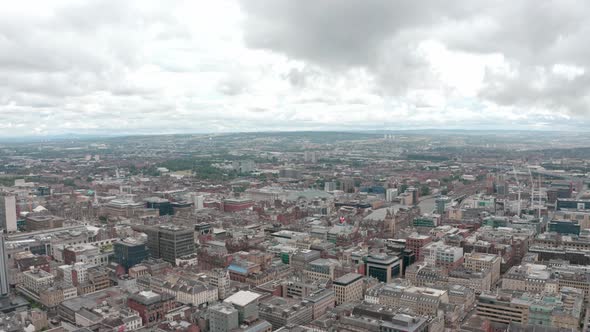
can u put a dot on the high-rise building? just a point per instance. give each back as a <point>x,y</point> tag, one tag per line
<point>170,242</point>
<point>415,195</point>
<point>330,186</point>
<point>244,166</point>
<point>347,185</point>
<point>8,213</point>
<point>4,290</point>
<point>441,203</point>
<point>198,201</point>
<point>391,194</point>
<point>130,252</point>
<point>311,157</point>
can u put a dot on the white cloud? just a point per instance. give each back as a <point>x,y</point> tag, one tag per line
<point>106,66</point>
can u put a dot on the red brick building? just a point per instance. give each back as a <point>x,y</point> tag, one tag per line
<point>233,204</point>
<point>415,242</point>
<point>28,263</point>
<point>152,307</point>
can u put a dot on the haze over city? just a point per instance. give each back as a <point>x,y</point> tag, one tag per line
<point>145,67</point>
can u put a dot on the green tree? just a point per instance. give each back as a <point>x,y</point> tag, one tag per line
<point>69,183</point>
<point>403,188</point>
<point>424,190</point>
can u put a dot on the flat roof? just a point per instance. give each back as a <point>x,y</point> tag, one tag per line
<point>242,298</point>
<point>348,278</point>
<point>482,256</point>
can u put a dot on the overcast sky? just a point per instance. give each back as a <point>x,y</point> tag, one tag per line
<point>244,65</point>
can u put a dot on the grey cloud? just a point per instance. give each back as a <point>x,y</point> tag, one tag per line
<point>383,35</point>
<point>538,87</point>
<point>338,32</point>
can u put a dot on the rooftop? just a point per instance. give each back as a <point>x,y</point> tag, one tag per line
<point>348,278</point>
<point>242,298</point>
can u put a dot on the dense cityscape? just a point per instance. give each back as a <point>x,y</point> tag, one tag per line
<point>298,231</point>
<point>294,166</point>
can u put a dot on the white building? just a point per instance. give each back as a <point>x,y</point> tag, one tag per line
<point>198,201</point>
<point>188,291</point>
<point>390,194</point>
<point>440,254</point>
<point>37,280</point>
<point>8,213</point>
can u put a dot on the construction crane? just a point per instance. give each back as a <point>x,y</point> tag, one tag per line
<point>518,185</point>
<point>540,203</point>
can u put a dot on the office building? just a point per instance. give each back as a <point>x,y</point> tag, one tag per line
<point>565,227</point>
<point>280,312</point>
<point>321,268</point>
<point>41,221</point>
<point>480,281</point>
<point>572,204</point>
<point>441,204</point>
<point>348,288</point>
<point>442,255</point>
<point>4,285</point>
<point>130,252</point>
<point>244,166</point>
<point>170,242</point>
<point>289,173</point>
<point>347,185</point>
<point>383,267</point>
<point>8,213</point>
<point>391,194</point>
<point>198,201</point>
<point>301,258</point>
<point>163,206</point>
<point>415,242</point>
<point>321,301</point>
<point>37,280</point>
<point>478,261</point>
<point>127,208</point>
<point>223,317</point>
<point>246,303</point>
<point>561,311</point>
<point>421,300</point>
<point>330,186</point>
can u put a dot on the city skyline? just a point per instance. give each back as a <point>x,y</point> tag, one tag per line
<point>151,67</point>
